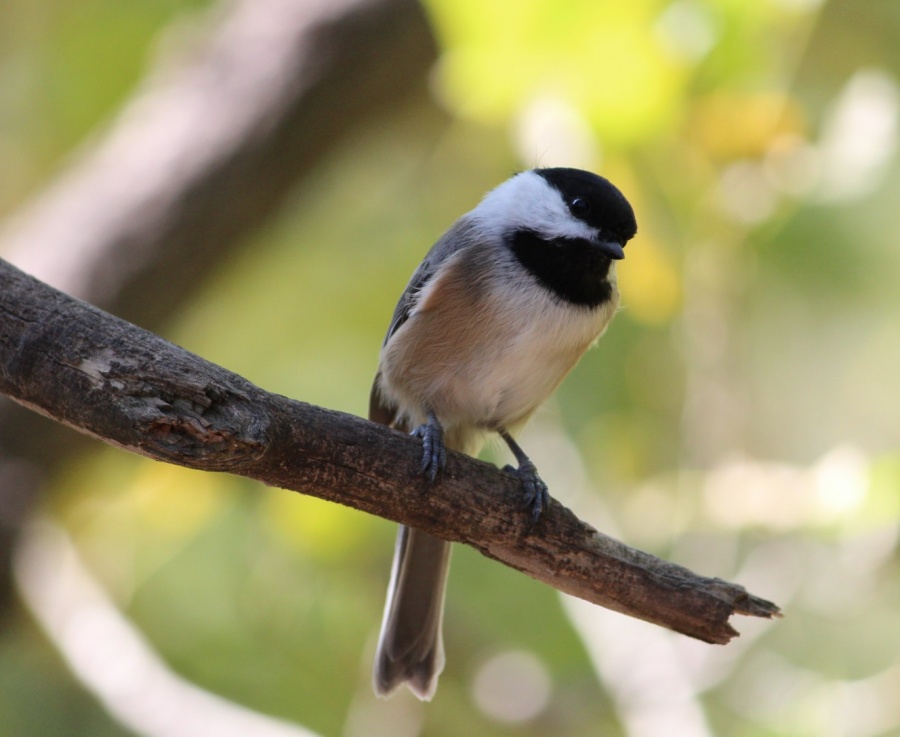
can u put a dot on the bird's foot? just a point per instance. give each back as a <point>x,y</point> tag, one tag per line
<point>537,495</point>
<point>434,453</point>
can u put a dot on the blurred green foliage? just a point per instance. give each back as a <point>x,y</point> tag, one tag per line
<point>737,418</point>
<point>64,68</point>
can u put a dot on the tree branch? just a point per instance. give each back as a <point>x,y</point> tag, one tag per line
<point>124,385</point>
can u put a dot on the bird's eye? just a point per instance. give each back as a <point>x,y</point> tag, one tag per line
<point>580,206</point>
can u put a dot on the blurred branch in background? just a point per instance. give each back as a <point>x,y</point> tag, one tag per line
<point>112,658</point>
<point>204,153</point>
<point>123,385</point>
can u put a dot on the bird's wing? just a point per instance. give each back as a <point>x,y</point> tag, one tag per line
<point>459,235</point>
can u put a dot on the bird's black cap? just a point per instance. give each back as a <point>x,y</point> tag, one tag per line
<point>595,201</point>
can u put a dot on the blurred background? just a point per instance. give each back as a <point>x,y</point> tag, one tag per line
<point>256,180</point>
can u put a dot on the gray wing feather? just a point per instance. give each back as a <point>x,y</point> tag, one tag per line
<point>459,236</point>
<point>452,241</point>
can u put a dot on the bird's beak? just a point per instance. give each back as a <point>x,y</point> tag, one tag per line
<point>612,249</point>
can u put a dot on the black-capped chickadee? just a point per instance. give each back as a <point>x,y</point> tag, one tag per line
<point>499,311</point>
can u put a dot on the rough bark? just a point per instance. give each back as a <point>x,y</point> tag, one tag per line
<point>126,386</point>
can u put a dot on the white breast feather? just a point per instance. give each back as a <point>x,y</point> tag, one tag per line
<point>540,340</point>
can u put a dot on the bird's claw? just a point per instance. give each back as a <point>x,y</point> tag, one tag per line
<point>434,453</point>
<point>537,495</point>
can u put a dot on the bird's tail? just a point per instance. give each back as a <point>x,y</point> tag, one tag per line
<point>410,646</point>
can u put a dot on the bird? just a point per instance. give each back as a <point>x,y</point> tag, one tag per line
<point>499,311</point>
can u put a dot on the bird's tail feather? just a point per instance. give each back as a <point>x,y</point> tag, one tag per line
<point>410,646</point>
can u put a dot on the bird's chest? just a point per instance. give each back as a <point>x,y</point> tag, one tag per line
<point>535,345</point>
<point>486,354</point>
